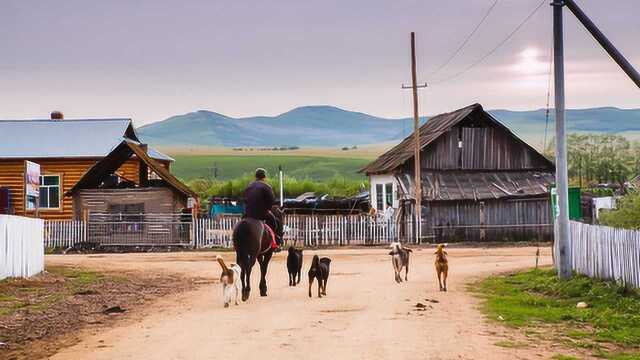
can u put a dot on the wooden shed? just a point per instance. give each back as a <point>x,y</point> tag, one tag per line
<point>154,208</point>
<point>479,180</point>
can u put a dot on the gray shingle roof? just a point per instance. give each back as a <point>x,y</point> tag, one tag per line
<point>86,138</point>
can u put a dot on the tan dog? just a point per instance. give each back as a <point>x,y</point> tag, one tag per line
<point>230,279</point>
<point>442,266</point>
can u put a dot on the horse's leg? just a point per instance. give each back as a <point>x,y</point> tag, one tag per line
<point>439,280</point>
<point>246,285</point>
<point>264,264</point>
<point>310,283</point>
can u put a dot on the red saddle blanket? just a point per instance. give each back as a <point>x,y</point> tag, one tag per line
<point>272,234</point>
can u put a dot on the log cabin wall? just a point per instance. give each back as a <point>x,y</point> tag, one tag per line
<point>70,171</point>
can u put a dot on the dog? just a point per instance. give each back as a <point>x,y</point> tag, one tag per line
<point>231,282</point>
<point>294,265</point>
<point>320,271</point>
<point>442,266</point>
<point>400,259</point>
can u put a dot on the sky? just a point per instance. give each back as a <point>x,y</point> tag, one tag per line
<point>151,59</point>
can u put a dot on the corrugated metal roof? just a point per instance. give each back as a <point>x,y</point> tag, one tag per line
<point>85,138</point>
<point>454,185</point>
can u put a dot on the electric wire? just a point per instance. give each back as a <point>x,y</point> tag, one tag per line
<point>492,51</point>
<point>465,42</point>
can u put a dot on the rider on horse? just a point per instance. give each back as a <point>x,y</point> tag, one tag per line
<point>258,200</point>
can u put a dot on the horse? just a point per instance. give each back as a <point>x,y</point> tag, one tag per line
<point>252,242</point>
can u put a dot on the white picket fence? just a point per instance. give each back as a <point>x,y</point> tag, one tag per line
<point>307,230</point>
<point>64,233</point>
<point>606,253</point>
<point>21,246</point>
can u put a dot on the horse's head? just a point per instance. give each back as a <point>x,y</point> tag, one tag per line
<point>277,212</point>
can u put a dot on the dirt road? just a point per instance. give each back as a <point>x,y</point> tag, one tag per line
<point>366,315</point>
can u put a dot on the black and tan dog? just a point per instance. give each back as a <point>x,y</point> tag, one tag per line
<point>320,271</point>
<point>294,265</point>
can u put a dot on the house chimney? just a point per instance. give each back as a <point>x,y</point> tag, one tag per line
<point>57,115</point>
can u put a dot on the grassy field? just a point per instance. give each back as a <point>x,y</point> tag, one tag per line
<point>188,166</point>
<point>361,152</point>
<point>545,308</point>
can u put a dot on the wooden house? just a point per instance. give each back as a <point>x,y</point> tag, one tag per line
<point>65,150</point>
<point>479,180</point>
<point>153,209</point>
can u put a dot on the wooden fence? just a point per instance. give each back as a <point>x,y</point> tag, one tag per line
<point>21,246</point>
<point>64,233</point>
<point>307,230</point>
<point>606,253</point>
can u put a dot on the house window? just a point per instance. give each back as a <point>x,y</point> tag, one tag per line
<point>388,193</point>
<point>379,197</point>
<point>50,191</point>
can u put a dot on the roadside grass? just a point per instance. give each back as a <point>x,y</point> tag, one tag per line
<point>36,295</point>
<point>537,299</point>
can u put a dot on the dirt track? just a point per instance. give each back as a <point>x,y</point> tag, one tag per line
<point>365,316</point>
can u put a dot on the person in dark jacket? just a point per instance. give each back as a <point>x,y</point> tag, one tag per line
<point>258,199</point>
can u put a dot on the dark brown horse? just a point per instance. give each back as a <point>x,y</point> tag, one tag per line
<point>252,243</point>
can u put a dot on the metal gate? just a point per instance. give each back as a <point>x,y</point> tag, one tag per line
<point>139,229</point>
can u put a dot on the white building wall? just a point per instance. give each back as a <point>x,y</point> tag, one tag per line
<point>383,179</point>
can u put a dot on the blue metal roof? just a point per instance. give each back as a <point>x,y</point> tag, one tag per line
<point>86,138</point>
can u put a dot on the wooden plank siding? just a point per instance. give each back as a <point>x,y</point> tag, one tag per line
<point>70,171</point>
<point>483,148</point>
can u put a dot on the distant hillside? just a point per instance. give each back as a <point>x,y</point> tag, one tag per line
<point>331,126</point>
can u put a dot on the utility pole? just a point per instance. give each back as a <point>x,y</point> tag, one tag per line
<point>416,139</point>
<point>562,236</point>
<point>281,186</point>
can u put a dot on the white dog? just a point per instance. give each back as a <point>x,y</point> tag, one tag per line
<point>400,259</point>
<point>230,279</point>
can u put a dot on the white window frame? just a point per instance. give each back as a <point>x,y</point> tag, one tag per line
<point>59,186</point>
<point>384,181</point>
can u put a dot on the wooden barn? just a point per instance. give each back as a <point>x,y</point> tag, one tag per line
<point>65,150</point>
<point>480,182</point>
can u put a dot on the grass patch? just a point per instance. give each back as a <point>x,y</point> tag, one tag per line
<point>36,295</point>
<point>564,357</point>
<point>538,298</point>
<point>189,167</point>
<point>511,344</point>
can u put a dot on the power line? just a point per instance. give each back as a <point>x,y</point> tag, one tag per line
<point>455,53</point>
<point>485,56</point>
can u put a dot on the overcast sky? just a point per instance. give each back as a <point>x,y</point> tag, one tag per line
<point>150,59</point>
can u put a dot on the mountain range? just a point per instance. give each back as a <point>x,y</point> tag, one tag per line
<point>332,126</point>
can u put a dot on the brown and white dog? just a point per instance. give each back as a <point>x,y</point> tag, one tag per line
<point>231,282</point>
<point>400,259</point>
<point>442,266</point>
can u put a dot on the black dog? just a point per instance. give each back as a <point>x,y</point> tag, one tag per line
<point>294,265</point>
<point>319,270</point>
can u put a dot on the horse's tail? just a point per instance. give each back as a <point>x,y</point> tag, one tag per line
<point>242,230</point>
<point>222,264</point>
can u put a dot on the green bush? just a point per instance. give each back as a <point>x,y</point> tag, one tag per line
<point>335,187</point>
<point>626,216</point>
